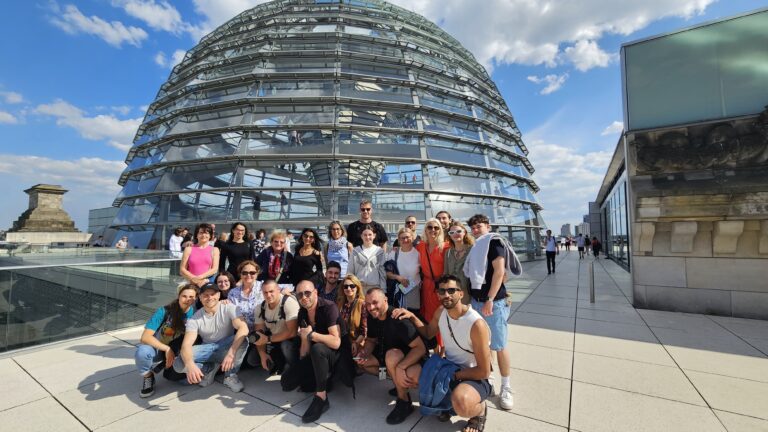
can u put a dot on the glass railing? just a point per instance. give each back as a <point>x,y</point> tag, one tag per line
<point>47,297</point>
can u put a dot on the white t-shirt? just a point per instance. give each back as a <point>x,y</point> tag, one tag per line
<point>408,266</point>
<point>271,316</point>
<point>551,244</point>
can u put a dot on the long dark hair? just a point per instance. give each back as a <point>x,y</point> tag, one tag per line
<point>175,312</point>
<point>232,232</point>
<point>317,244</point>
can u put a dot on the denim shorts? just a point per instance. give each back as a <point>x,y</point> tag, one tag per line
<point>497,322</point>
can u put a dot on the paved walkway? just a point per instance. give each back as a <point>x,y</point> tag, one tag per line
<point>576,366</point>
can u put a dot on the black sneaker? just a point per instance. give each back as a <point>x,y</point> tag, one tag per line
<point>148,387</point>
<point>316,409</point>
<point>402,410</point>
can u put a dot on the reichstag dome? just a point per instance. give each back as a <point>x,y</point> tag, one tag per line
<point>293,111</point>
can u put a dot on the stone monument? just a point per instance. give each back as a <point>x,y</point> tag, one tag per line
<point>45,221</point>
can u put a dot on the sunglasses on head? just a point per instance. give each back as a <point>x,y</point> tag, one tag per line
<point>449,291</point>
<point>305,294</point>
<point>249,273</point>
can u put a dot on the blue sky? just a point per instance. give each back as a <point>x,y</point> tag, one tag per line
<point>76,78</point>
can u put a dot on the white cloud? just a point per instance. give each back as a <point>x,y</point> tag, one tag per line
<point>8,118</point>
<point>613,128</point>
<point>163,61</point>
<point>157,15</point>
<point>115,33</point>
<point>12,97</point>
<point>122,109</point>
<point>217,12</point>
<point>553,82</point>
<point>92,183</point>
<point>569,180</point>
<point>538,33</point>
<point>586,55</point>
<point>118,133</point>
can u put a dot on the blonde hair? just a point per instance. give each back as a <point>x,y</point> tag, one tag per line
<point>277,234</point>
<point>468,239</point>
<point>440,232</point>
<point>405,229</point>
<point>356,315</point>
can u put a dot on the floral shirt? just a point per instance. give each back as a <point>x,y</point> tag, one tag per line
<point>246,306</point>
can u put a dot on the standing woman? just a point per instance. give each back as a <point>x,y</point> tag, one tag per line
<point>201,260</point>
<point>235,250</point>
<point>161,340</point>
<point>431,252</point>
<point>461,242</point>
<point>351,302</point>
<point>367,261</point>
<point>338,248</point>
<point>259,243</point>
<point>308,262</point>
<point>275,261</point>
<point>409,271</point>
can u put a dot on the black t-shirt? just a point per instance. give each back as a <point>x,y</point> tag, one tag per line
<point>495,250</point>
<point>355,229</point>
<point>234,253</point>
<point>327,315</point>
<point>391,333</point>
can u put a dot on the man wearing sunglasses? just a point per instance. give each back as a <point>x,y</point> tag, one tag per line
<point>320,332</point>
<point>394,345</point>
<point>467,344</point>
<point>355,229</point>
<point>410,223</point>
<point>276,323</point>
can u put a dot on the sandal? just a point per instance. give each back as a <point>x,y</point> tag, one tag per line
<point>477,423</point>
<point>444,416</point>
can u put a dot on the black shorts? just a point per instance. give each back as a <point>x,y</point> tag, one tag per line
<point>581,249</point>
<point>482,387</point>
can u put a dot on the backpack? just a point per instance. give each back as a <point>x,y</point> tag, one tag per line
<point>280,314</point>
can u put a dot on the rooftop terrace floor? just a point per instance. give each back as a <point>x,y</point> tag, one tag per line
<point>576,366</point>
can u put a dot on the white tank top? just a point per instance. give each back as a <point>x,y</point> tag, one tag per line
<point>461,331</point>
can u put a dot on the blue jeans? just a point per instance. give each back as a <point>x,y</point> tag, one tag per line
<point>213,352</point>
<point>146,356</point>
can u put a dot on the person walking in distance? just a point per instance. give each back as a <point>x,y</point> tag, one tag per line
<point>580,243</point>
<point>550,248</point>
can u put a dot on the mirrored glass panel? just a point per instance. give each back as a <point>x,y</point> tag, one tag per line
<point>370,48</point>
<point>200,176</point>
<point>277,174</point>
<point>388,206</point>
<point>224,144</point>
<point>137,211</point>
<point>459,180</point>
<point>376,91</point>
<point>141,184</point>
<point>452,151</point>
<point>374,69</point>
<point>508,164</point>
<point>373,143</point>
<point>200,206</point>
<point>201,121</point>
<point>448,126</point>
<point>297,88</point>
<point>291,141</point>
<point>444,102</point>
<point>376,117</point>
<point>288,115</point>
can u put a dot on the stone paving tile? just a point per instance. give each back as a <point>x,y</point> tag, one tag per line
<point>733,394</point>
<point>551,301</point>
<point>43,415</point>
<point>212,408</point>
<point>18,387</point>
<point>541,397</point>
<point>648,352</point>
<point>564,311</point>
<point>497,421</point>
<point>625,317</point>
<point>539,359</point>
<point>597,409</point>
<point>649,379</point>
<point>740,423</point>
<point>746,328</point>
<point>544,330</point>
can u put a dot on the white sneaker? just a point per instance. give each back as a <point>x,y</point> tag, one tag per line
<point>506,401</point>
<point>209,375</point>
<point>234,383</point>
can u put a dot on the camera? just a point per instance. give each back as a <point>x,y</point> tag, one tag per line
<point>253,337</point>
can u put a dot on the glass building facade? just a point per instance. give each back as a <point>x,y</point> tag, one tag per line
<point>293,111</point>
<point>615,237</point>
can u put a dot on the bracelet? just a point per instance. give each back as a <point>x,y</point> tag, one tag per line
<point>309,336</point>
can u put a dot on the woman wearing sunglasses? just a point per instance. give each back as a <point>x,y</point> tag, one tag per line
<point>338,248</point>
<point>307,262</point>
<point>431,253</point>
<point>351,302</point>
<point>247,296</point>
<point>461,242</point>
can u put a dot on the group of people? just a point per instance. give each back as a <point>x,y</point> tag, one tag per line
<point>582,244</point>
<point>353,305</point>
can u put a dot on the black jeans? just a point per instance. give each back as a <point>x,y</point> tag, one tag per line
<point>312,371</point>
<point>551,261</point>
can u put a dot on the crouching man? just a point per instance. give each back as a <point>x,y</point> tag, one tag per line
<point>467,346</point>
<point>276,324</point>
<point>223,335</point>
<point>395,347</point>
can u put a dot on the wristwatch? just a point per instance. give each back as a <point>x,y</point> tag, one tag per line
<point>269,339</point>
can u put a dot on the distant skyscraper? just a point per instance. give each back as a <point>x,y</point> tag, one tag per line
<point>293,111</point>
<point>565,230</point>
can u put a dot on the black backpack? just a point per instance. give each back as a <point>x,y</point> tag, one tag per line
<point>280,314</point>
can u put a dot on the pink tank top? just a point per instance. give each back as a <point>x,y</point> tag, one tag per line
<point>200,260</point>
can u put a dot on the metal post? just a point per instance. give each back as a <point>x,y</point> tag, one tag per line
<point>591,281</point>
